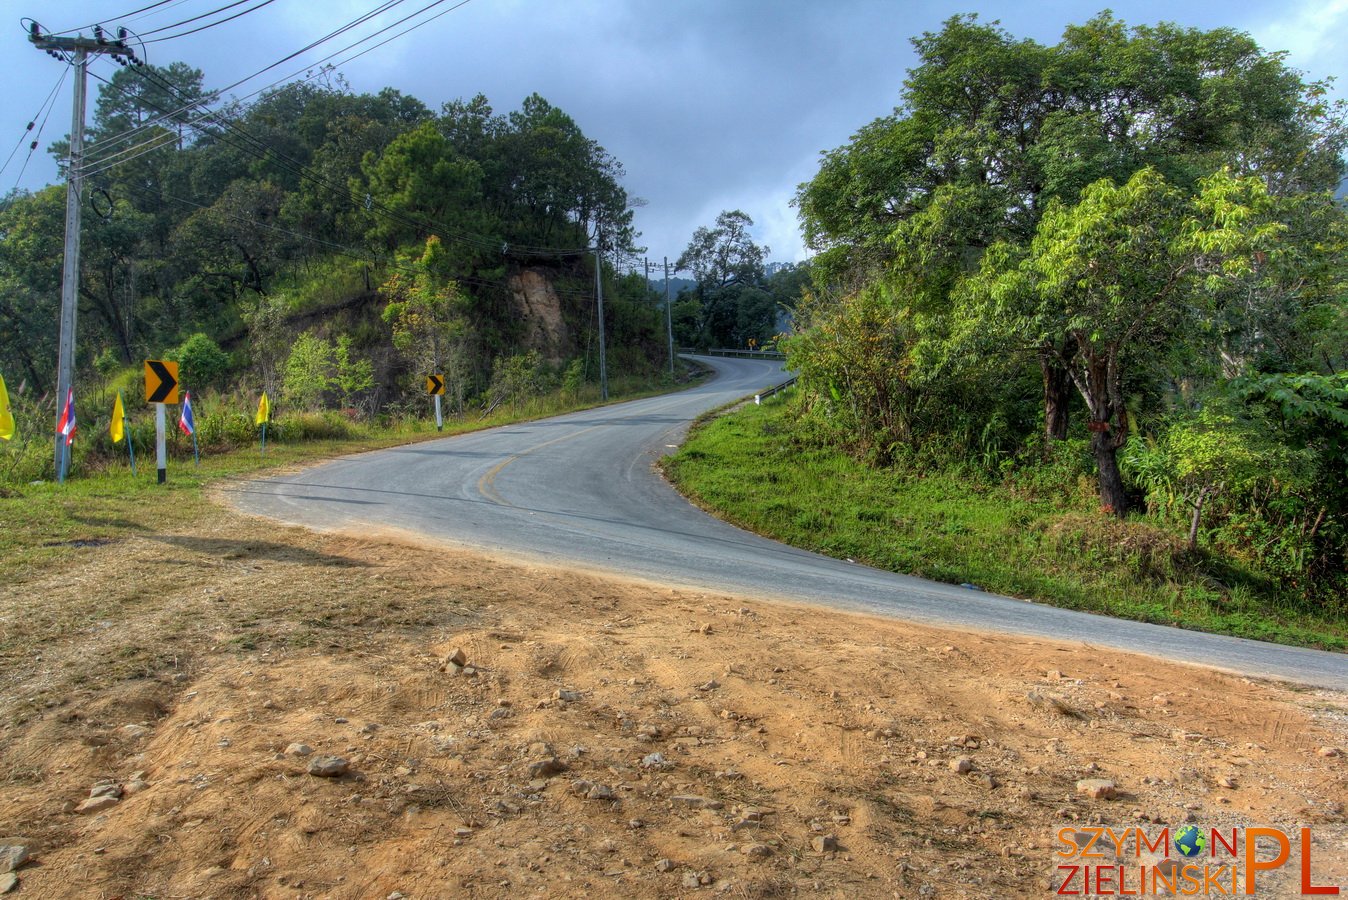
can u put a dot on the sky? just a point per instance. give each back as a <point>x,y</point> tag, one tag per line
<point>710,105</point>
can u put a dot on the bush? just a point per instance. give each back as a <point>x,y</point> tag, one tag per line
<point>201,363</point>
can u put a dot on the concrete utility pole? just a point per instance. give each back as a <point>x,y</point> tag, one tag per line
<point>81,48</point>
<point>669,320</point>
<point>599,294</point>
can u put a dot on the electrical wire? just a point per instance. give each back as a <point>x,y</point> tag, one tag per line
<point>258,149</point>
<point>209,24</point>
<point>38,115</point>
<point>134,12</point>
<point>261,151</point>
<point>387,5</point>
<point>391,262</point>
<point>37,138</point>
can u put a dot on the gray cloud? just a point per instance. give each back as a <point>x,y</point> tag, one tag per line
<point>709,104</point>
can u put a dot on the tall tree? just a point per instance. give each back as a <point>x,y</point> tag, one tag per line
<point>1126,276</point>
<point>991,129</point>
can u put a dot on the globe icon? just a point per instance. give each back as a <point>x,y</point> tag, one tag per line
<point>1189,841</point>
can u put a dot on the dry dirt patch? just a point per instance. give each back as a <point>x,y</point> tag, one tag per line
<point>603,738</point>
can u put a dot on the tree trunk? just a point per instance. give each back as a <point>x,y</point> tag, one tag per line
<point>1197,518</point>
<point>1057,393</point>
<point>1112,497</point>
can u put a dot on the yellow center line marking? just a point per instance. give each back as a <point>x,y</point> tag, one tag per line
<point>486,485</point>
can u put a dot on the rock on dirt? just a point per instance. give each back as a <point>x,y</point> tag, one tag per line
<point>328,766</point>
<point>13,854</point>
<point>1097,788</point>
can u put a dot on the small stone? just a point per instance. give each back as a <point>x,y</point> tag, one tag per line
<point>328,766</point>
<point>1329,752</point>
<point>12,856</point>
<point>546,768</point>
<point>1097,788</point>
<point>665,865</point>
<point>653,761</point>
<point>697,802</point>
<point>341,720</point>
<point>690,881</point>
<point>601,792</point>
<point>106,789</point>
<point>462,832</point>
<point>961,765</point>
<point>297,749</point>
<point>134,731</point>
<point>756,851</point>
<point>8,882</point>
<point>566,696</point>
<point>705,628</point>
<point>134,787</point>
<point>1227,782</point>
<point>824,843</point>
<point>1054,675</point>
<point>96,804</point>
<point>709,686</point>
<point>457,658</point>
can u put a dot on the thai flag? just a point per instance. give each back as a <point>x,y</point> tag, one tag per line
<point>186,423</point>
<point>67,423</point>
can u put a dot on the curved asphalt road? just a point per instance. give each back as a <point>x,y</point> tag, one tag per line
<point>580,489</point>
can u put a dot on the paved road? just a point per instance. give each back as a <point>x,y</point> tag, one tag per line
<point>580,489</point>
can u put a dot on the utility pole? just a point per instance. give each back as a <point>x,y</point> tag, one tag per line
<point>599,294</point>
<point>669,320</point>
<point>81,47</point>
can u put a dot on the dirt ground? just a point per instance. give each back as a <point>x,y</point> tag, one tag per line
<point>605,738</point>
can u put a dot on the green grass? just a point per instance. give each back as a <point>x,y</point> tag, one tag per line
<point>749,468</point>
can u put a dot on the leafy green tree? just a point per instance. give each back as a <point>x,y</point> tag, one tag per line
<point>1121,276</point>
<point>355,376</point>
<point>31,227</point>
<point>422,181</point>
<point>428,317</point>
<point>201,362</point>
<point>308,371</point>
<point>992,129</point>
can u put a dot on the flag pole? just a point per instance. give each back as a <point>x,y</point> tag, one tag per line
<point>130,450</point>
<point>264,437</point>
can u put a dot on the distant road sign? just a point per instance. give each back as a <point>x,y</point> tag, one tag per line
<point>161,381</point>
<point>435,384</point>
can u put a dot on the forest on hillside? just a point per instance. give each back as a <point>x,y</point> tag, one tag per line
<point>1114,265</point>
<point>329,247</point>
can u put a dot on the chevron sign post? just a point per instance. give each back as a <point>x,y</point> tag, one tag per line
<point>435,386</point>
<point>161,387</point>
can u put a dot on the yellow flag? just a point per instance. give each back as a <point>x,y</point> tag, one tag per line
<point>6,417</point>
<point>118,427</point>
<point>263,410</point>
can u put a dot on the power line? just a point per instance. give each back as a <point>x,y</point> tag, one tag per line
<point>134,12</point>
<point>389,4</point>
<point>260,150</point>
<point>205,15</point>
<point>237,15</point>
<point>48,105</point>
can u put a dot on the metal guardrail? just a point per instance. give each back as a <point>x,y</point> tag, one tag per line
<point>737,354</point>
<point>775,389</point>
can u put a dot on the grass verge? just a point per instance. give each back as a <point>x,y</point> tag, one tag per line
<point>747,468</point>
